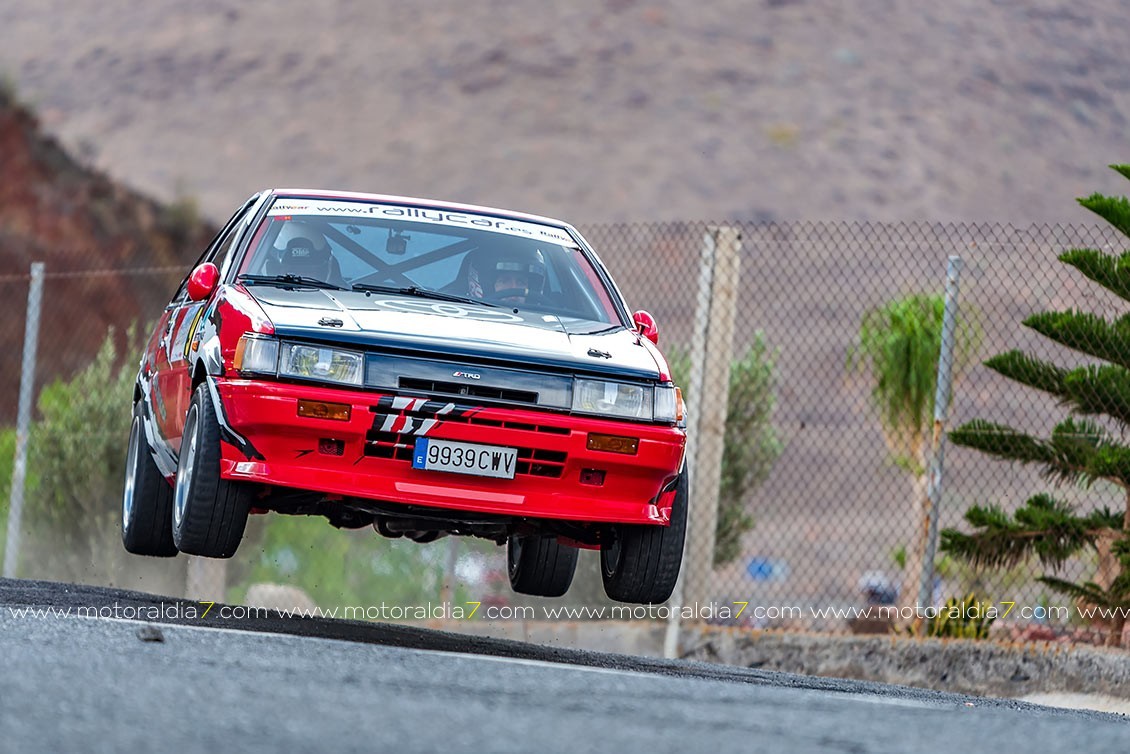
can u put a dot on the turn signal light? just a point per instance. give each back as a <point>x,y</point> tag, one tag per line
<point>322,410</point>
<point>614,444</point>
<point>680,407</point>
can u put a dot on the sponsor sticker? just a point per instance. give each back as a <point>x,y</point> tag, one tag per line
<point>429,215</point>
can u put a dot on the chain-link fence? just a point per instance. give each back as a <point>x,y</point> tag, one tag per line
<point>76,446</point>
<point>821,511</point>
<point>835,517</point>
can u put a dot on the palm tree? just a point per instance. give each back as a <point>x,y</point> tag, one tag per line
<point>899,344</point>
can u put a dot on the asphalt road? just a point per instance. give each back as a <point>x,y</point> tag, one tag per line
<point>184,684</point>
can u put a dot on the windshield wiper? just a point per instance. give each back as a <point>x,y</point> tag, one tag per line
<point>412,290</point>
<point>290,281</point>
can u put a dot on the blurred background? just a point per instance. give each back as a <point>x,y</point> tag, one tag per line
<point>855,148</point>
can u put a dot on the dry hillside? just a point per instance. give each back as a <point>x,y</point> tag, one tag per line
<point>595,110</point>
<point>73,219</point>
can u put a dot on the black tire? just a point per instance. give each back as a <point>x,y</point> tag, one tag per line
<point>641,563</point>
<point>147,499</point>
<point>209,513</point>
<point>539,565</point>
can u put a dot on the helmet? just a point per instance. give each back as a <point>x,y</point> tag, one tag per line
<point>302,250</point>
<point>513,272</point>
<point>300,229</point>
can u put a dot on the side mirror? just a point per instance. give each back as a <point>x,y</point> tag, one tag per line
<point>203,281</point>
<point>645,323</point>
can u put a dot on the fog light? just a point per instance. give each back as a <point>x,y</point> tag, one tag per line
<point>330,447</point>
<point>594,477</point>
<point>322,410</point>
<point>614,444</point>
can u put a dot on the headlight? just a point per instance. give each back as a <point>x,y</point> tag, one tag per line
<point>320,363</point>
<point>615,399</point>
<point>666,404</point>
<point>257,354</point>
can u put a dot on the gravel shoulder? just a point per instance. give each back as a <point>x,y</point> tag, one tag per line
<point>1047,673</point>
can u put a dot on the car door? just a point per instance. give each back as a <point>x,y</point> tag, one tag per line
<point>155,359</point>
<point>172,380</point>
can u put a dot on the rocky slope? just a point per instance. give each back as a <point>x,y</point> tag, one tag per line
<point>77,220</point>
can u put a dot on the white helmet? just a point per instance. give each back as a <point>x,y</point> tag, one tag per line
<point>299,229</point>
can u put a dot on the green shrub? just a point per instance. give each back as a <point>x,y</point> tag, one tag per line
<point>967,617</point>
<point>7,459</point>
<point>751,442</point>
<point>77,452</point>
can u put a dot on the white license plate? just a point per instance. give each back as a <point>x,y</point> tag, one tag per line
<point>464,458</point>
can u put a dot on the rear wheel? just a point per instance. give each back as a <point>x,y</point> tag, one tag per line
<point>540,565</point>
<point>641,563</point>
<point>147,499</point>
<point>209,513</point>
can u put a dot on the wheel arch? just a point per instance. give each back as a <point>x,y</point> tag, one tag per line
<point>199,375</point>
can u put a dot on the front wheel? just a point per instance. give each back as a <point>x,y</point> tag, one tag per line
<point>209,513</point>
<point>540,565</point>
<point>641,563</point>
<point>147,499</point>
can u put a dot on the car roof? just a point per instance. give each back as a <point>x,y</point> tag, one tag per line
<point>294,193</point>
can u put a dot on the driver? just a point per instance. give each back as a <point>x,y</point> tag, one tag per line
<point>514,274</point>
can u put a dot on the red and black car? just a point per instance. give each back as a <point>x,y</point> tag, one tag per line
<point>423,367</point>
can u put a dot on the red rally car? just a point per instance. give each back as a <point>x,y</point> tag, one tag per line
<point>423,367</point>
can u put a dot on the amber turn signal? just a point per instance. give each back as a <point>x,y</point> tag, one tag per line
<point>321,410</point>
<point>614,444</point>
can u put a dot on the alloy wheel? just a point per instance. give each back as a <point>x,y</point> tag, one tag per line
<point>185,467</point>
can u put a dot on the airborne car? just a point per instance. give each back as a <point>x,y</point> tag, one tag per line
<point>423,367</point>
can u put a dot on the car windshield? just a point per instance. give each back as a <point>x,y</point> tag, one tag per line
<point>428,252</point>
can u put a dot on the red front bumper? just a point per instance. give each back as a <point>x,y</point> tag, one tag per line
<point>300,452</point>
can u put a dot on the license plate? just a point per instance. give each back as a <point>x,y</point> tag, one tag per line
<point>464,458</point>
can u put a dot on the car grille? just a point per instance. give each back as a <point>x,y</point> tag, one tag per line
<point>454,380</point>
<point>394,434</point>
<point>474,391</point>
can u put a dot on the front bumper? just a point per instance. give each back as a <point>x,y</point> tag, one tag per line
<point>369,455</point>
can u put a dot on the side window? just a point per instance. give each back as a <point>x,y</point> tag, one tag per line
<point>223,249</point>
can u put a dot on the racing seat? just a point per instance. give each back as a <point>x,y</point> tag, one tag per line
<point>302,257</point>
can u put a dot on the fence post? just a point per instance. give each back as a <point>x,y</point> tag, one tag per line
<point>938,442</point>
<point>23,420</point>
<point>707,399</point>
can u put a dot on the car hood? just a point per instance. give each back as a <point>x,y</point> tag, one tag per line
<point>438,328</point>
